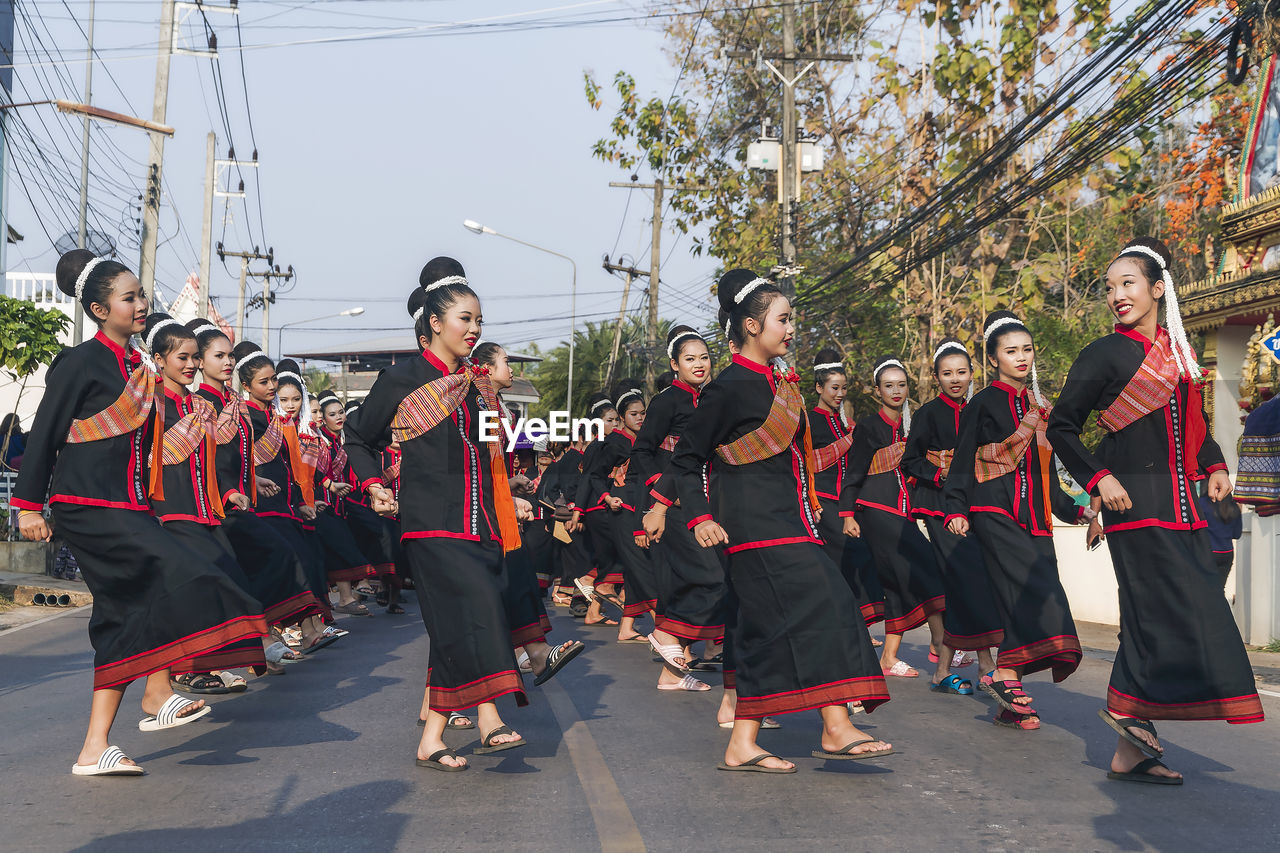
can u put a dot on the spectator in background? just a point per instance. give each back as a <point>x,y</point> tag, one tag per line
<point>1225,526</point>
<point>14,441</point>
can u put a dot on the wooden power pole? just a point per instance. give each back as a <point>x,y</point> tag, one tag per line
<point>630,273</point>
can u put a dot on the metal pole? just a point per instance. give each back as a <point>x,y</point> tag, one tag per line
<point>244,275</point>
<point>266,313</point>
<point>617,329</point>
<point>573,333</point>
<point>655,260</point>
<point>206,231</point>
<point>786,202</point>
<point>155,158</point>
<point>82,234</point>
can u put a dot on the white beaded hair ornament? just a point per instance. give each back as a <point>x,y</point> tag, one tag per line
<point>83,278</point>
<point>1183,355</point>
<point>151,336</point>
<point>445,282</point>
<point>1035,378</point>
<point>683,336</point>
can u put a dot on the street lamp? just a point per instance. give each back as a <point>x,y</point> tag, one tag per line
<point>476,227</point>
<point>350,312</point>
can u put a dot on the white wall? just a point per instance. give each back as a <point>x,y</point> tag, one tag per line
<point>1087,576</point>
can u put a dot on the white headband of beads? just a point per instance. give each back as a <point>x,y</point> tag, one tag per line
<point>205,327</point>
<point>752,285</point>
<point>949,345</point>
<point>624,395</point>
<point>1003,321</point>
<point>671,347</point>
<point>1183,355</point>
<point>830,365</point>
<point>599,403</point>
<point>83,278</point>
<point>893,362</point>
<point>251,356</point>
<point>444,282</point>
<point>417,315</point>
<point>151,338</point>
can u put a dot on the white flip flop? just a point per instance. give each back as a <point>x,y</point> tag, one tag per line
<point>110,763</point>
<point>168,717</point>
<point>670,654</point>
<point>688,683</point>
<point>588,591</point>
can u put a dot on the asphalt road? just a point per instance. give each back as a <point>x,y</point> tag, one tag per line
<point>322,759</point>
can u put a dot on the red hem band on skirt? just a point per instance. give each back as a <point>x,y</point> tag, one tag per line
<point>917,616</point>
<point>1237,710</point>
<point>145,663</point>
<point>527,634</point>
<point>639,608</point>
<point>870,690</point>
<point>611,577</point>
<point>293,610</point>
<point>872,613</point>
<point>1061,654</point>
<point>976,643</point>
<point>487,689</point>
<point>545,622</point>
<point>232,658</point>
<point>685,631</point>
<point>351,574</point>
<point>729,678</point>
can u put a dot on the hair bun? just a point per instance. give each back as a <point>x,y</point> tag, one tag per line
<point>730,284</point>
<point>288,365</point>
<point>1154,245</point>
<point>438,268</point>
<point>69,268</point>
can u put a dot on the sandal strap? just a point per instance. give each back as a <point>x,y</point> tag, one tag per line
<point>1147,764</point>
<point>500,730</point>
<point>111,758</point>
<point>169,710</point>
<point>442,753</point>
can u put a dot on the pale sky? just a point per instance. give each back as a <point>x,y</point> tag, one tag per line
<point>372,153</point>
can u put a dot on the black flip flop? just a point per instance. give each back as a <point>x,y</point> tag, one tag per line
<point>1138,773</point>
<point>1122,728</point>
<point>433,761</point>
<point>846,755</point>
<point>611,599</point>
<point>199,683</point>
<point>753,766</point>
<point>556,659</point>
<point>489,746</point>
<point>324,641</point>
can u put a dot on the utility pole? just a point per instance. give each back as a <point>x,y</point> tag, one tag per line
<point>789,172</point>
<point>245,257</point>
<point>206,230</point>
<point>630,272</point>
<point>82,234</point>
<point>155,158</point>
<point>654,274</point>
<point>266,302</point>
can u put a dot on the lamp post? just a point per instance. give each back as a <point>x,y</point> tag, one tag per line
<point>350,312</point>
<point>476,227</point>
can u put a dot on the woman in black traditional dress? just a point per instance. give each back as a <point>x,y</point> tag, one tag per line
<point>971,622</point>
<point>457,515</point>
<point>154,602</point>
<point>590,520</point>
<point>799,641</point>
<point>1180,655</point>
<point>1006,497</point>
<point>191,509</point>
<point>875,503</point>
<point>832,439</point>
<point>275,572</point>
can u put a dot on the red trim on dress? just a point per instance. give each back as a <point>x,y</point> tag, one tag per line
<point>145,663</point>
<point>1237,710</point>
<point>769,543</point>
<point>870,690</point>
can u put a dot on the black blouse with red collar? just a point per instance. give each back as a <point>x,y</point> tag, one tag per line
<point>934,426</point>
<point>993,415</point>
<point>285,502</point>
<point>614,452</point>
<point>446,484</point>
<point>234,459</point>
<point>587,494</point>
<point>759,504</point>
<point>81,382</point>
<point>1148,457</point>
<point>668,413</point>
<point>185,497</point>
<point>827,428</point>
<point>886,492</point>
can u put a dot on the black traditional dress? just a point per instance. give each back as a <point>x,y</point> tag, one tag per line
<point>875,493</point>
<point>971,621</point>
<point>798,637</point>
<point>1180,655</point>
<point>192,512</point>
<point>526,611</point>
<point>450,533</point>
<point>830,435</point>
<point>154,601</point>
<point>345,559</point>
<point>558,486</point>
<point>691,579</point>
<point>609,474</point>
<point>275,572</point>
<point>589,500</point>
<point>1010,516</point>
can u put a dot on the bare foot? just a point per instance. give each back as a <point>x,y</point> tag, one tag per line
<point>736,756</point>
<point>1140,733</point>
<point>187,710</point>
<point>446,760</point>
<point>836,736</point>
<point>1129,756</point>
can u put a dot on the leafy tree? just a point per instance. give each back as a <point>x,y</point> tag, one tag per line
<point>593,343</point>
<point>29,339</point>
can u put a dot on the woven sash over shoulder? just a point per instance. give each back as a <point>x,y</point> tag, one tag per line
<point>130,411</point>
<point>825,457</point>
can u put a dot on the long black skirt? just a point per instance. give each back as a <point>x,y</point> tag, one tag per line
<point>695,582</point>
<point>459,589</point>
<point>343,558</point>
<point>376,540</point>
<point>210,542</point>
<point>637,568</point>
<point>276,574</point>
<point>855,562</point>
<point>306,545</point>
<point>599,542</point>
<point>154,601</point>
<point>1039,632</point>
<point>538,542</point>
<point>522,596</point>
<point>800,642</point>
<point>971,621</point>
<point>1180,656</point>
<point>572,557</point>
<point>907,569</point>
